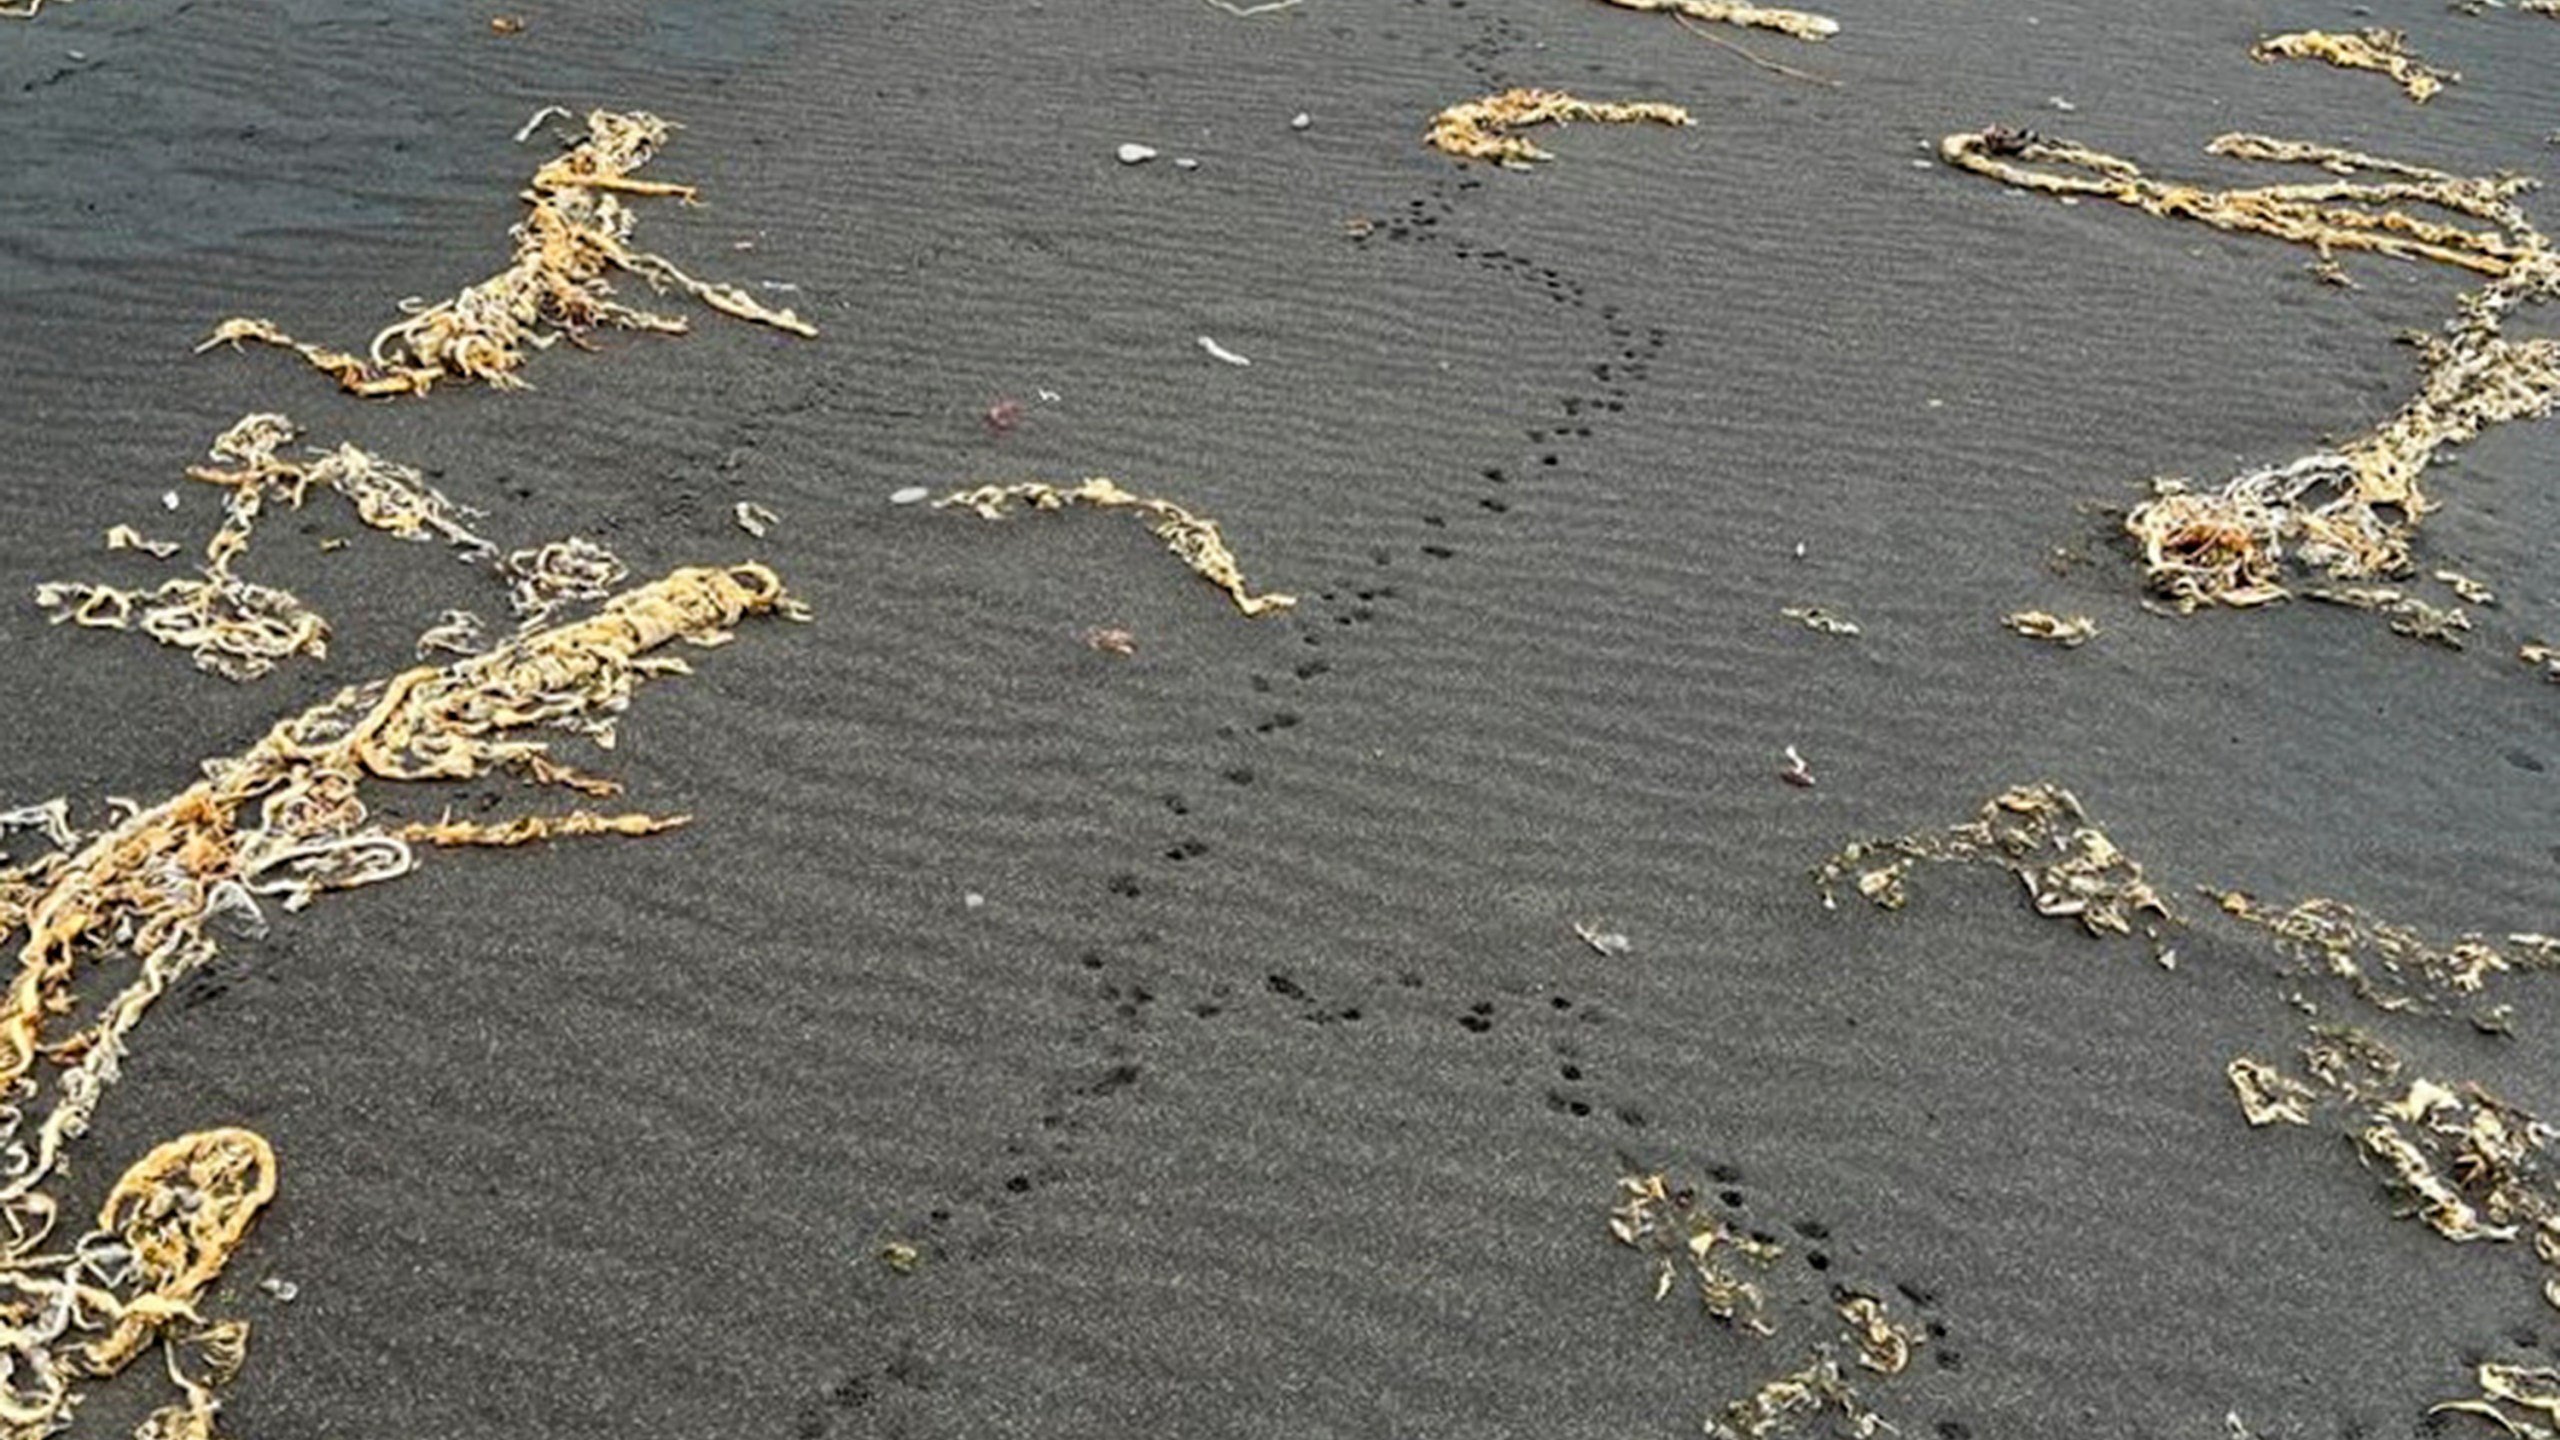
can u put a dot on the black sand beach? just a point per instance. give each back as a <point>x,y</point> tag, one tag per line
<point>1266,1088</point>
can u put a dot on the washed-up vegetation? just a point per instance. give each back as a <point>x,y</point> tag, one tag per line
<point>150,894</point>
<point>1481,129</point>
<point>2375,48</point>
<point>2346,514</point>
<point>235,627</point>
<point>2038,833</point>
<point>1195,539</point>
<point>576,235</point>
<point>1802,24</point>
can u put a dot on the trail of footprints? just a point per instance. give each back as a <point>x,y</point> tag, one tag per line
<point>1123,1000</point>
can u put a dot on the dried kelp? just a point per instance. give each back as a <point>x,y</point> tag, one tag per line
<point>2346,513</point>
<point>1820,620</point>
<point>2394,967</point>
<point>21,9</point>
<point>2268,1095</point>
<point>2375,48</point>
<point>2536,652</point>
<point>1803,25</point>
<point>1683,1236</point>
<point>2038,833</point>
<point>283,821</point>
<point>2070,633</point>
<point>456,632</point>
<point>2409,615</point>
<point>2505,1389</point>
<point>234,627</point>
<point>1193,538</point>
<point>1481,129</point>
<point>577,232</point>
<point>526,829</point>
<point>544,579</point>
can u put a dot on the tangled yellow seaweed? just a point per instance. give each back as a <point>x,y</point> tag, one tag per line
<point>1193,538</point>
<point>577,232</point>
<point>2040,834</point>
<point>285,821</point>
<point>233,627</point>
<point>1481,129</point>
<point>2347,513</point>
<point>2374,48</point>
<point>1801,24</point>
<point>2393,967</point>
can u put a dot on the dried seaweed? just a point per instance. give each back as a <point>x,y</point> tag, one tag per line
<point>2374,48</point>
<point>234,627</point>
<point>2268,1095</point>
<point>2409,615</point>
<point>2532,1389</point>
<point>1481,129</point>
<point>1820,620</point>
<point>1193,538</point>
<point>2070,633</point>
<point>576,233</point>
<point>2536,652</point>
<point>1682,1236</point>
<point>1788,1402</point>
<point>285,821</point>
<point>544,579</point>
<point>2347,513</point>
<point>1803,25</point>
<point>2038,833</point>
<point>1884,1345</point>
<point>2391,967</point>
<point>21,9</point>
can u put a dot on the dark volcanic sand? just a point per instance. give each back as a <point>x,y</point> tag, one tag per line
<point>602,1139</point>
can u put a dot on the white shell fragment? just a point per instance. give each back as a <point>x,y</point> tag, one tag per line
<point>910,495</point>
<point>1221,352</point>
<point>1136,154</point>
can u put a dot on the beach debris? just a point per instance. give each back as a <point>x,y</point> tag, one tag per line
<point>1609,944</point>
<point>1301,120</point>
<point>577,232</point>
<point>2347,513</point>
<point>2533,1390</point>
<point>2268,1095</point>
<point>1884,1346</point>
<point>125,537</point>
<point>525,131</point>
<point>2070,633</point>
<point>1803,25</point>
<point>1797,772</point>
<point>1247,12</point>
<point>2375,48</point>
<point>910,495</point>
<point>2391,967</point>
<point>1480,129</point>
<point>2408,614</point>
<point>1683,1237</point>
<point>542,579</point>
<point>898,1255</point>
<point>1221,353</point>
<point>2040,834</point>
<point>284,821</point>
<point>1821,621</point>
<point>234,627</point>
<point>456,632</point>
<point>1789,1401</point>
<point>755,519</point>
<point>1002,415</point>
<point>1194,539</point>
<point>1111,641</point>
<point>506,24</point>
<point>1136,154</point>
<point>2536,652</point>
<point>2471,591</point>
<point>284,1291</point>
<point>450,834</point>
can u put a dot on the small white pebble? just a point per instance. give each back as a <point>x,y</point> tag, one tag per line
<point>169,500</point>
<point>1185,162</point>
<point>908,496</point>
<point>1136,154</point>
<point>974,900</point>
<point>1301,120</point>
<point>283,1290</point>
<point>2058,103</point>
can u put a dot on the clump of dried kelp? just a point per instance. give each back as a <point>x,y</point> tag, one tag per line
<point>576,234</point>
<point>1802,24</point>
<point>1821,621</point>
<point>2347,513</point>
<point>2069,632</point>
<point>234,627</point>
<point>1682,1235</point>
<point>2038,833</point>
<point>2377,49</point>
<point>1193,538</point>
<point>20,9</point>
<point>1481,129</point>
<point>2393,967</point>
<point>285,821</point>
<point>2523,1400</point>
<point>543,579</point>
